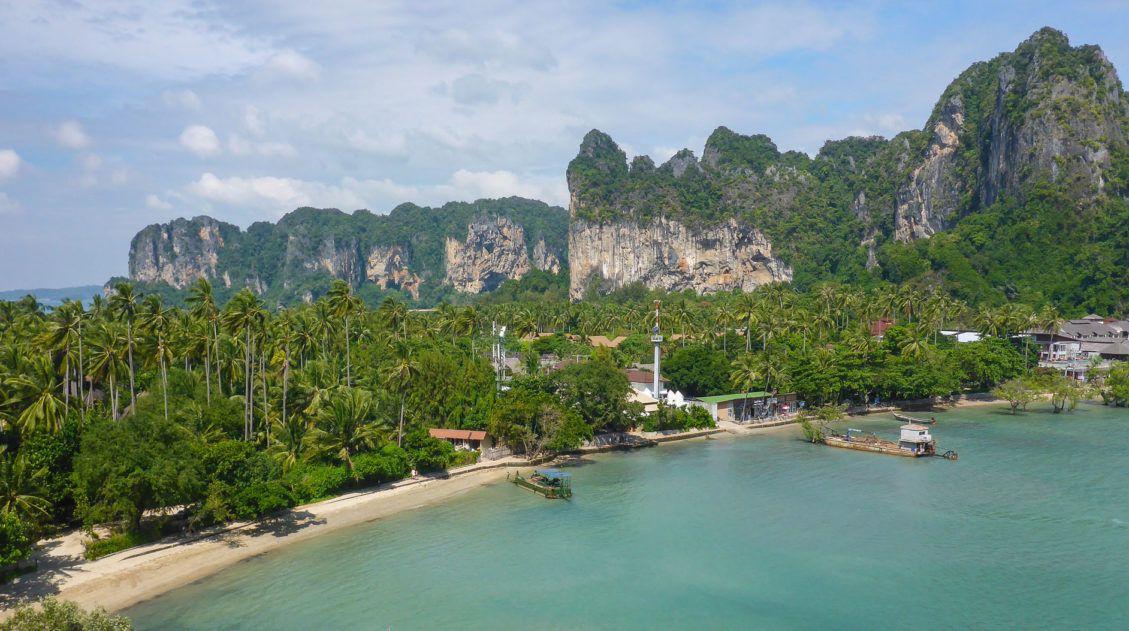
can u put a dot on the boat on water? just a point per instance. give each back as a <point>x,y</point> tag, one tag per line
<point>905,418</point>
<point>915,442</point>
<point>550,483</point>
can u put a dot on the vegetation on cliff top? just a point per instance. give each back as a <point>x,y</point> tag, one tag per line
<point>1055,237</point>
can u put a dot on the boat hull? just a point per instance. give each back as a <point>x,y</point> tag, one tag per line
<point>875,446</point>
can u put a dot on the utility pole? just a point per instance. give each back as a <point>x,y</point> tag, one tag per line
<point>657,340</point>
<point>498,354</point>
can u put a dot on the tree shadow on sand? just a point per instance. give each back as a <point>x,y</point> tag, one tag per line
<point>41,582</point>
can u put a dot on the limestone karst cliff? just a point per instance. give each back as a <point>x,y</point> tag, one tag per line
<point>1021,171</point>
<point>422,252</point>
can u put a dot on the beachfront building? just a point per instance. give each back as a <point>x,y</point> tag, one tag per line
<point>1081,344</point>
<point>751,406</point>
<point>464,439</point>
<point>643,379</point>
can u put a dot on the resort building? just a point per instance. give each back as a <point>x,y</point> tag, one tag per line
<point>464,439</point>
<point>643,379</point>
<point>1083,343</point>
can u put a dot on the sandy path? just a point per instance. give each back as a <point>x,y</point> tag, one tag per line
<point>131,576</point>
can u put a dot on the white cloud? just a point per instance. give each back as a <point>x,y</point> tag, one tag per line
<point>282,194</point>
<point>200,140</point>
<point>290,64</point>
<point>181,99</point>
<point>9,163</point>
<point>176,40</point>
<point>276,194</point>
<point>91,161</point>
<point>253,120</point>
<point>475,89</point>
<point>156,203</point>
<point>71,135</point>
<point>470,185</point>
<point>241,146</point>
<point>9,206</point>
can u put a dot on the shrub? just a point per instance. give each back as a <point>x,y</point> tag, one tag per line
<point>390,463</point>
<point>99,547</point>
<point>428,453</point>
<point>57,614</point>
<point>310,481</point>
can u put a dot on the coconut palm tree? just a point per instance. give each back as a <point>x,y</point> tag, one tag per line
<point>347,426</point>
<point>400,375</point>
<point>106,361</point>
<point>124,302</point>
<point>19,487</point>
<point>157,322</point>
<point>35,388</point>
<point>244,314</point>
<point>290,442</point>
<point>202,305</point>
<point>344,305</point>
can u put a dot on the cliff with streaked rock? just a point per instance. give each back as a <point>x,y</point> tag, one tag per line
<point>422,252</point>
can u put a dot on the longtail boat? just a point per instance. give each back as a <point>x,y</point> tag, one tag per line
<point>905,418</point>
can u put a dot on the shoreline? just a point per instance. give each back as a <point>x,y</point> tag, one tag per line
<point>126,578</point>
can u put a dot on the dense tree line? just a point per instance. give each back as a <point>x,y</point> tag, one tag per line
<point>115,412</point>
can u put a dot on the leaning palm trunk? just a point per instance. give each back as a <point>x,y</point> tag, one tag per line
<point>348,357</point>
<point>165,385</point>
<point>81,374</point>
<point>129,350</point>
<point>400,433</point>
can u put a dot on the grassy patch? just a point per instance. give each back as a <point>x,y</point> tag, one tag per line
<point>100,547</point>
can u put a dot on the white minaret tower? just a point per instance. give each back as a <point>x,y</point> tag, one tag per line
<point>657,340</point>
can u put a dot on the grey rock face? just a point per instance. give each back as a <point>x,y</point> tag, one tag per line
<point>665,253</point>
<point>176,253</point>
<point>494,251</point>
<point>387,266</point>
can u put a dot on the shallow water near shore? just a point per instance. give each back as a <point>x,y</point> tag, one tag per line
<point>1029,529</point>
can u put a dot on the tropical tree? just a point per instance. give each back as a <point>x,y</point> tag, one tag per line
<point>400,375</point>
<point>348,426</point>
<point>124,301</point>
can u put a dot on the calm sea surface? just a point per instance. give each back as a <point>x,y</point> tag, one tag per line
<point>1029,529</point>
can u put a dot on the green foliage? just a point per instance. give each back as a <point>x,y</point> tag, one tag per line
<point>99,547</point>
<point>129,466</point>
<point>596,390</point>
<point>16,542</point>
<point>50,613</point>
<point>427,453</point>
<point>310,482</point>
<point>677,419</point>
<point>1117,384</point>
<point>697,370</point>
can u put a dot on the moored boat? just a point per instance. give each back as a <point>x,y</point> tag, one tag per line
<point>551,483</point>
<point>915,442</point>
<point>905,418</point>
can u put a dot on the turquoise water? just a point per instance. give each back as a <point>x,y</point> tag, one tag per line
<point>1029,529</point>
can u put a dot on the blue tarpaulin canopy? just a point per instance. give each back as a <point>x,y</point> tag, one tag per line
<point>553,474</point>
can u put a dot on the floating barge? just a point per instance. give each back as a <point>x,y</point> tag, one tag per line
<point>915,442</point>
<point>551,483</point>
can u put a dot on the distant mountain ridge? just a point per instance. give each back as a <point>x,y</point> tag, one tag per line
<point>53,297</point>
<point>1014,189</point>
<point>423,253</point>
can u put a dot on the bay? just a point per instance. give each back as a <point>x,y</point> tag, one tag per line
<point>1029,529</point>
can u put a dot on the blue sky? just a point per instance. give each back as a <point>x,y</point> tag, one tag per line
<point>117,114</point>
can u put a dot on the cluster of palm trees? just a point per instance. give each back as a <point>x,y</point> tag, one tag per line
<point>75,358</point>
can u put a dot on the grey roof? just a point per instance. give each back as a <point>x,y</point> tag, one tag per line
<point>1094,316</point>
